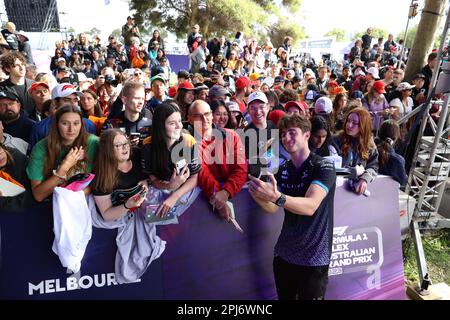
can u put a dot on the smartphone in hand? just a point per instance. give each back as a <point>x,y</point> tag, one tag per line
<point>180,165</point>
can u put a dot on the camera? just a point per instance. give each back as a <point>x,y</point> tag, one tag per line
<point>134,135</point>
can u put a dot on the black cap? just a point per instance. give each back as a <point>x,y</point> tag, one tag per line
<point>278,79</point>
<point>419,76</point>
<point>110,56</point>
<point>156,70</point>
<point>296,78</point>
<point>312,87</point>
<point>8,95</point>
<point>63,69</point>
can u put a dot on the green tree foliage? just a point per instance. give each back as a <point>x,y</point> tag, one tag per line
<point>412,31</point>
<point>340,34</point>
<point>376,33</point>
<point>285,28</point>
<point>93,32</point>
<point>116,33</point>
<point>215,17</point>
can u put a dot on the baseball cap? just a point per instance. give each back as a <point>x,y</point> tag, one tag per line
<point>61,59</point>
<point>276,115</point>
<point>9,95</point>
<point>296,78</point>
<point>378,86</point>
<point>257,95</point>
<point>419,76</point>
<point>233,106</point>
<point>340,89</point>
<point>22,33</point>
<point>218,90</point>
<point>200,87</point>
<point>62,69</point>
<point>404,86</point>
<point>35,85</point>
<point>374,72</point>
<point>186,86</point>
<point>309,72</point>
<point>311,95</point>
<point>64,90</point>
<point>172,91</point>
<point>158,77</point>
<point>242,83</point>
<point>302,106</point>
<point>255,76</point>
<point>278,79</point>
<point>356,95</point>
<point>323,106</point>
<point>81,77</point>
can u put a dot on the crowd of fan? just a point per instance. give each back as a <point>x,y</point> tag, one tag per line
<point>222,73</point>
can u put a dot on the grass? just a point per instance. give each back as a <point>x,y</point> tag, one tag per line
<point>436,245</point>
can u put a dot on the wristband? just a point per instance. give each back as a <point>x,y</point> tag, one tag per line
<point>63,178</point>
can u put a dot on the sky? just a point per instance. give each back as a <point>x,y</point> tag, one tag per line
<point>320,16</point>
<point>317,16</point>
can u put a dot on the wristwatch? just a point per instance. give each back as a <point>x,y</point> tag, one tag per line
<point>281,201</point>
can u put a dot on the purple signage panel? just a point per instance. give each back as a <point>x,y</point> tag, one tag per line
<point>366,262</point>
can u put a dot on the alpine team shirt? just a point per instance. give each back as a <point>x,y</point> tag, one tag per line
<point>307,240</point>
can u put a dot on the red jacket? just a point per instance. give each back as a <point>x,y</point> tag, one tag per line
<point>220,166</point>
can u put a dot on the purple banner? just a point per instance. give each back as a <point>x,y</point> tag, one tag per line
<point>366,262</point>
<point>178,62</point>
<point>207,258</point>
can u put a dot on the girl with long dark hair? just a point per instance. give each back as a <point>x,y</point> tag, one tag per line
<point>391,163</point>
<point>170,156</point>
<point>320,139</point>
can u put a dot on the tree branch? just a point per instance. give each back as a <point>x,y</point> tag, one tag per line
<point>172,4</point>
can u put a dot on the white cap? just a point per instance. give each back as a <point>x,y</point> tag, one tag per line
<point>323,105</point>
<point>374,72</point>
<point>257,95</point>
<point>81,77</point>
<point>310,72</point>
<point>61,59</point>
<point>233,106</point>
<point>64,90</point>
<point>404,86</point>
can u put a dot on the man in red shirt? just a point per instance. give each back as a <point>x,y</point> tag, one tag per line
<point>224,167</point>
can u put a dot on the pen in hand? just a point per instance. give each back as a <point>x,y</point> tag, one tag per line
<point>214,193</point>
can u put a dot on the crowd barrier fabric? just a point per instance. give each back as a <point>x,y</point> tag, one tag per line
<point>207,258</point>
